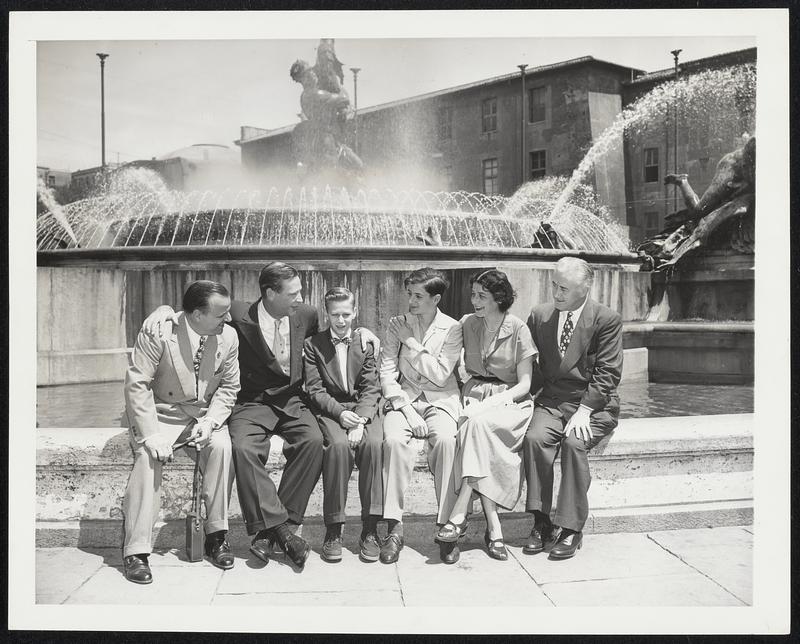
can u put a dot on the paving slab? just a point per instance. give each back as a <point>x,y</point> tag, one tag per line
<point>723,554</point>
<point>60,571</point>
<point>688,589</point>
<point>336,598</point>
<point>475,580</point>
<point>604,556</point>
<point>171,585</point>
<point>252,575</point>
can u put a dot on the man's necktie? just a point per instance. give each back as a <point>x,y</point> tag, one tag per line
<point>280,347</point>
<point>566,334</point>
<point>198,356</point>
<point>345,341</point>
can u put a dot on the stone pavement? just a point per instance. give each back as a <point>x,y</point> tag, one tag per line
<point>689,567</point>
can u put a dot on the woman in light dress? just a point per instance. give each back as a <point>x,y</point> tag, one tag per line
<point>498,358</point>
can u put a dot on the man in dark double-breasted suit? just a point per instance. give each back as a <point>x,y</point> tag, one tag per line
<point>577,406</point>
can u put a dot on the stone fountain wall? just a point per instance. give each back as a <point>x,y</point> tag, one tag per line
<point>91,304</point>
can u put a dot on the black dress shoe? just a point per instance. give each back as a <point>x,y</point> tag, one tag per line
<point>296,548</point>
<point>496,548</point>
<point>449,552</point>
<point>262,546</point>
<point>137,569</point>
<point>569,542</point>
<point>390,550</point>
<point>218,550</point>
<point>540,536</point>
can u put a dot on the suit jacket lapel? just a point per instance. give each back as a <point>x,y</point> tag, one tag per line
<point>252,331</point>
<point>355,359</point>
<point>207,365</point>
<point>296,339</point>
<point>551,358</point>
<point>580,337</point>
<point>331,360</point>
<point>182,359</point>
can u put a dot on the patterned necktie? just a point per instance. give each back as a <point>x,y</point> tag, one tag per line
<point>566,334</point>
<point>198,356</point>
<point>280,347</point>
<point>344,341</point>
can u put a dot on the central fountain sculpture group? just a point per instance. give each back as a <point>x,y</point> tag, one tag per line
<point>318,141</point>
<point>723,218</point>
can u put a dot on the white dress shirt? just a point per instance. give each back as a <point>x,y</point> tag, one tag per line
<point>267,324</point>
<point>341,356</point>
<point>562,318</point>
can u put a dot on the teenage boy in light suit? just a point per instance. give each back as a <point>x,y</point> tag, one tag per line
<point>418,360</point>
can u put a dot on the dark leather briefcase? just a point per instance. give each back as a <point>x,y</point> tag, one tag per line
<point>194,522</point>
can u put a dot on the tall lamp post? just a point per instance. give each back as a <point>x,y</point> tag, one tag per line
<point>522,127</point>
<point>675,53</point>
<point>355,71</point>
<point>102,58</point>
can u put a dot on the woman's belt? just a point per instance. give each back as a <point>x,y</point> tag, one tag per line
<point>487,378</point>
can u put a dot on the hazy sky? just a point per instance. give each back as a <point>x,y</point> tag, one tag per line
<point>165,95</point>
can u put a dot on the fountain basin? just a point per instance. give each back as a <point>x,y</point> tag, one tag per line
<point>106,293</point>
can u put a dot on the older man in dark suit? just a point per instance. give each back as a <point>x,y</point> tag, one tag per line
<point>580,365</point>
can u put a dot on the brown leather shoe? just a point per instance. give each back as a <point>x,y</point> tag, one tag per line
<point>218,550</point>
<point>137,569</point>
<point>370,548</point>
<point>449,552</point>
<point>261,546</point>
<point>569,542</point>
<point>390,550</point>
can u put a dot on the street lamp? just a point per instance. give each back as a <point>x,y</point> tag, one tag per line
<point>355,71</point>
<point>102,58</point>
<point>675,53</point>
<point>522,129</point>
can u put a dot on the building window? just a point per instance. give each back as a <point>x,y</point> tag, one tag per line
<point>445,123</point>
<point>490,176</point>
<point>51,181</point>
<point>650,165</point>
<point>537,104</point>
<point>489,113</point>
<point>651,224</point>
<point>538,164</point>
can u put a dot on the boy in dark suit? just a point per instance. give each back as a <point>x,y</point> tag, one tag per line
<point>343,389</point>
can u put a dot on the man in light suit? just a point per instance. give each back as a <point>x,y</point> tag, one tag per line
<point>417,377</point>
<point>343,389</point>
<point>181,388</point>
<point>580,365</point>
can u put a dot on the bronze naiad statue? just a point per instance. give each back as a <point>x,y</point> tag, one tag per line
<point>319,139</point>
<point>723,218</point>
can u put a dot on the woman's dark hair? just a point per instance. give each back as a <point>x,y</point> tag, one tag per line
<point>496,282</point>
<point>198,293</point>
<point>273,274</point>
<point>433,281</point>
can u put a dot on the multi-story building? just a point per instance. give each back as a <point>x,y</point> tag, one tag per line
<point>703,137</point>
<point>53,178</point>
<point>484,137</point>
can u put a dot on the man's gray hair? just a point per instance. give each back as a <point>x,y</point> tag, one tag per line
<point>578,266</point>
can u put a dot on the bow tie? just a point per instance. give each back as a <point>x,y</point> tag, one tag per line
<point>344,341</point>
